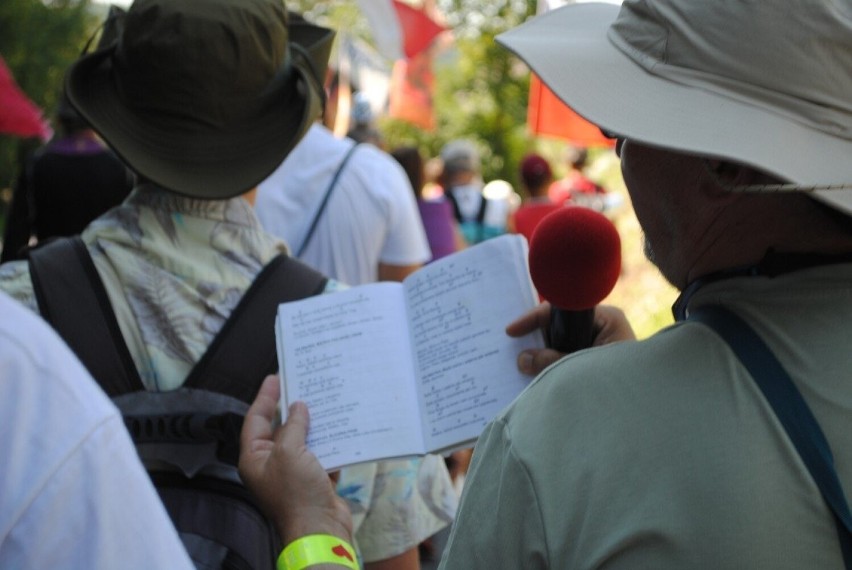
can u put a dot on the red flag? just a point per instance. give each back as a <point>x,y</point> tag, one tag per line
<point>411,91</point>
<point>418,29</point>
<point>399,30</point>
<point>547,115</point>
<point>18,115</point>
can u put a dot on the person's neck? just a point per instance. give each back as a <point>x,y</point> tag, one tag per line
<point>250,196</point>
<point>773,264</point>
<point>795,228</point>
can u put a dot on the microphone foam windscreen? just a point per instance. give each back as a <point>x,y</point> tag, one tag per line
<point>575,258</point>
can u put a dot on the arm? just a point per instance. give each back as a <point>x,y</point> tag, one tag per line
<point>458,237</point>
<point>499,522</point>
<point>389,272</point>
<point>405,248</point>
<point>408,560</point>
<point>274,460</point>
<point>611,325</point>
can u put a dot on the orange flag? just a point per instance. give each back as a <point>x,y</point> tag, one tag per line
<point>412,84</point>
<point>547,115</point>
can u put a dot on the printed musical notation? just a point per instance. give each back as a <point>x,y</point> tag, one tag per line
<point>432,286</point>
<point>393,370</point>
<point>330,317</point>
<point>335,353</point>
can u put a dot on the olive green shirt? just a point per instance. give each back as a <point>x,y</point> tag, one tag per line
<point>663,453</point>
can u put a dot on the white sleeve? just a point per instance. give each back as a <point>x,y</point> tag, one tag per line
<point>405,242</point>
<point>98,510</point>
<point>73,493</point>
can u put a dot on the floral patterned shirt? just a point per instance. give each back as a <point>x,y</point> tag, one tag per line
<point>174,268</point>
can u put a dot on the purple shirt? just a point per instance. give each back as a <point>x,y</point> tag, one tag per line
<point>438,220</point>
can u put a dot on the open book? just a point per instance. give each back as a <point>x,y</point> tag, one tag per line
<point>393,370</point>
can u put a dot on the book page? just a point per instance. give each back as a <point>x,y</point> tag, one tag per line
<point>459,307</point>
<point>349,359</point>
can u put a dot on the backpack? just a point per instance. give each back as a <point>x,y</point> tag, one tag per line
<point>188,439</point>
<point>476,230</point>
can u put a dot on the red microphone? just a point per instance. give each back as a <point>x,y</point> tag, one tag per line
<point>575,260</point>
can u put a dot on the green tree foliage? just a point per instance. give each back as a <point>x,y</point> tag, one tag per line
<point>481,90</point>
<point>39,39</point>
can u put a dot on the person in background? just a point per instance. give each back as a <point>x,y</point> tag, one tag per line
<point>178,254</point>
<point>351,216</point>
<point>442,230</point>
<point>73,493</point>
<point>64,186</point>
<point>363,129</point>
<point>479,217</point>
<point>576,187</point>
<point>536,177</point>
<point>679,450</point>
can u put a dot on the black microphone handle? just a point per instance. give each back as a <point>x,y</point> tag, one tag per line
<point>571,330</point>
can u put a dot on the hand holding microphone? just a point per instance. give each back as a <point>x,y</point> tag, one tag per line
<point>575,260</point>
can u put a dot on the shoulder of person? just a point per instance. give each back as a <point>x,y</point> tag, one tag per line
<point>596,372</point>
<point>379,169</point>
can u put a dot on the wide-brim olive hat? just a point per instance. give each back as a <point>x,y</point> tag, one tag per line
<point>204,97</point>
<point>763,83</point>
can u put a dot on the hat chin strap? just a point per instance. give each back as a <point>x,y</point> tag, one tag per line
<point>769,188</point>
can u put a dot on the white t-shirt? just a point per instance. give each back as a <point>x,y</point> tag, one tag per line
<point>73,493</point>
<point>371,216</point>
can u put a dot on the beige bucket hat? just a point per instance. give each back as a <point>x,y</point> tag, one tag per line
<point>763,83</point>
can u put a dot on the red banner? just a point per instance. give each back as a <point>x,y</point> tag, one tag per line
<point>547,115</point>
<point>418,29</point>
<point>411,91</point>
<point>18,115</point>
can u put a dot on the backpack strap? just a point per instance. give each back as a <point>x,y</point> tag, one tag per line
<point>480,214</point>
<point>791,410</point>
<point>480,217</point>
<point>321,209</point>
<point>72,298</point>
<point>455,203</point>
<point>243,352</point>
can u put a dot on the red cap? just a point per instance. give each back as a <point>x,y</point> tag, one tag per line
<point>535,170</point>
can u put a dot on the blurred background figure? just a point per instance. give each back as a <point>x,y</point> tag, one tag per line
<point>480,217</point>
<point>442,230</point>
<point>346,210</point>
<point>576,186</point>
<point>65,185</point>
<point>537,177</point>
<point>363,127</point>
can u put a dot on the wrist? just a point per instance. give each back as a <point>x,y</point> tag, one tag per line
<point>318,551</point>
<point>334,523</point>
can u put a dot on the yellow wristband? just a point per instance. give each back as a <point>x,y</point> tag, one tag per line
<point>317,549</point>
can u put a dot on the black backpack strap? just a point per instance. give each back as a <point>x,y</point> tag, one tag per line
<point>455,203</point>
<point>72,298</point>
<point>243,352</point>
<point>321,209</point>
<point>790,409</point>
<point>480,214</point>
<point>480,218</point>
